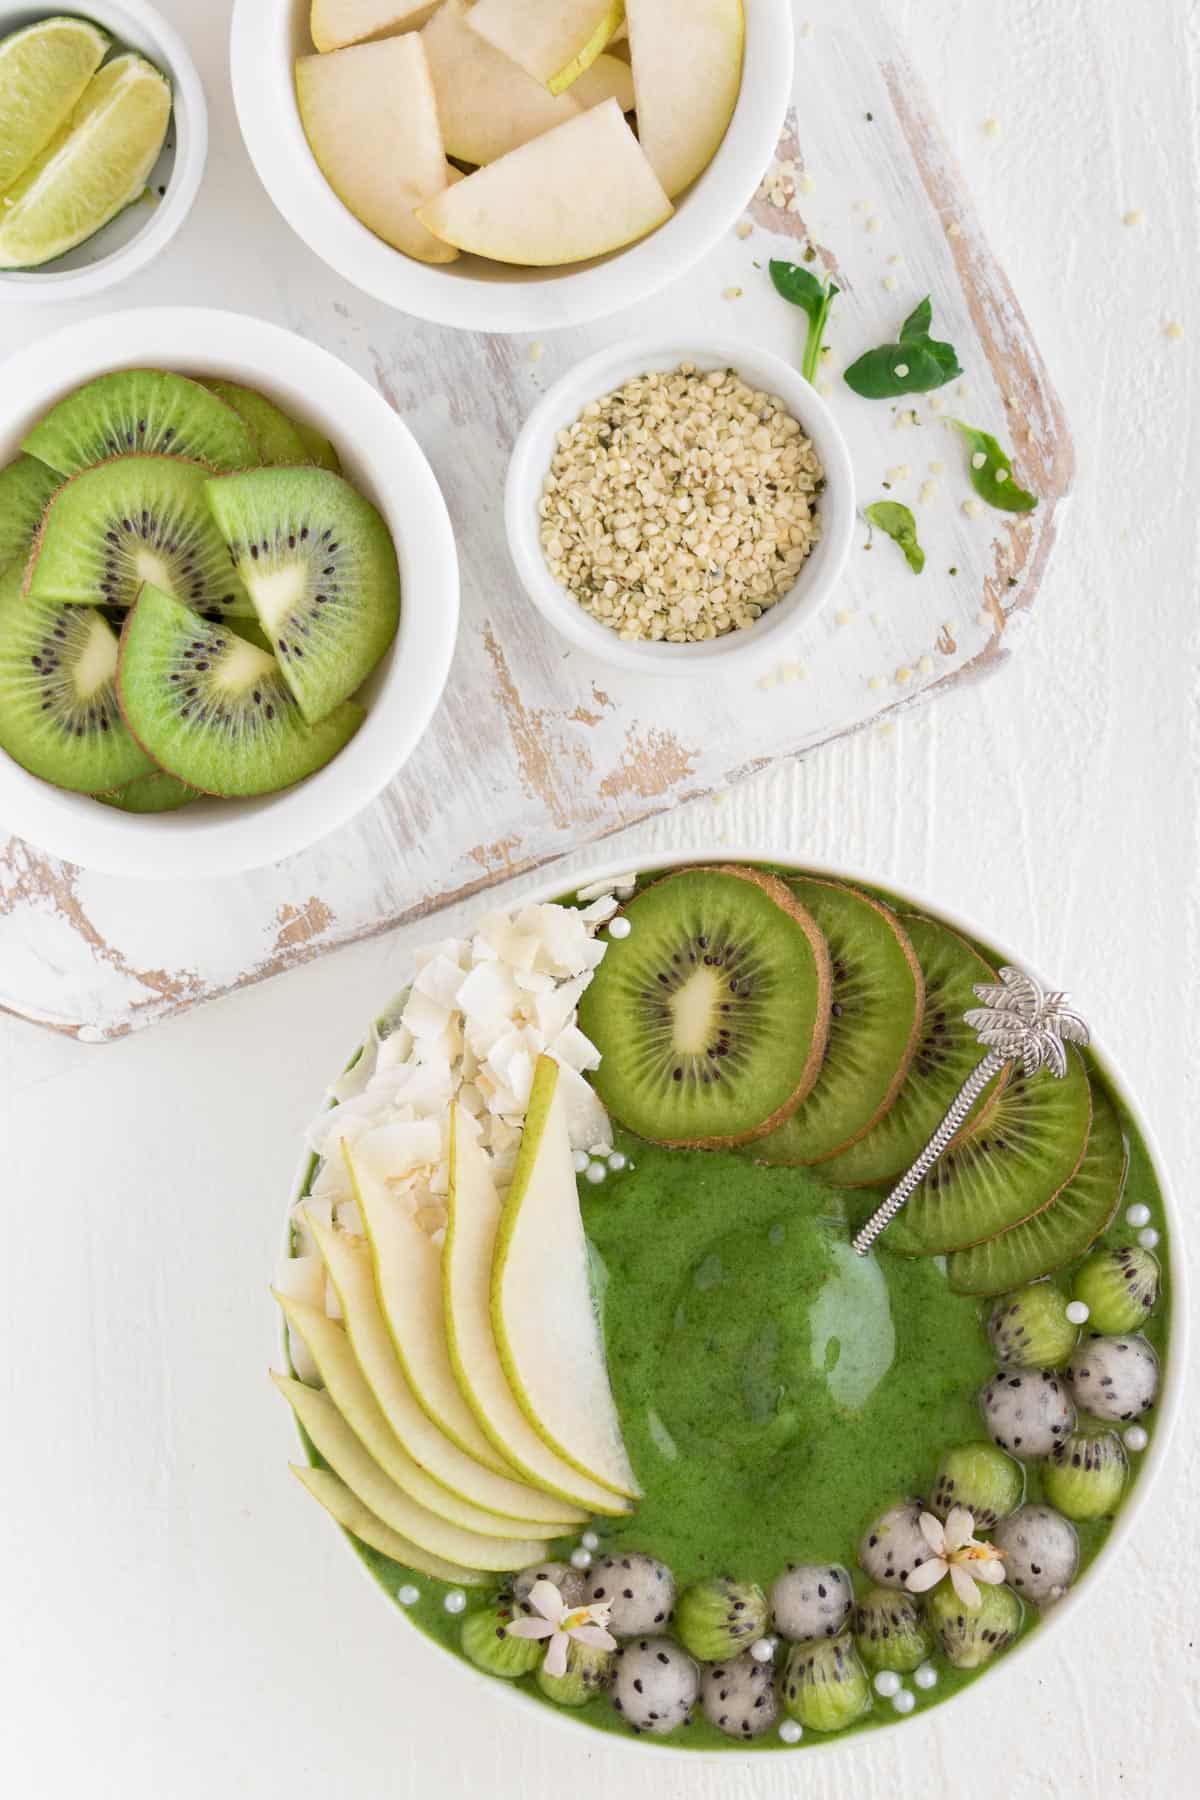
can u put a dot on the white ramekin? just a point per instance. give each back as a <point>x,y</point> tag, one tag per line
<point>131,240</point>
<point>381,457</point>
<point>268,35</point>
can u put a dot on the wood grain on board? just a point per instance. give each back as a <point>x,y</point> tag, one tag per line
<point>537,751</point>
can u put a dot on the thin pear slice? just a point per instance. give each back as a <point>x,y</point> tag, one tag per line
<point>687,73</point>
<point>555,40</point>
<point>355,1518</point>
<point>408,1281</point>
<point>543,1312</point>
<point>349,1265</point>
<point>343,1451</point>
<point>335,23</point>
<point>486,104</point>
<point>471,1233</point>
<point>609,78</point>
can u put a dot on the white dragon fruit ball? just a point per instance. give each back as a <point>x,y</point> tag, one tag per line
<point>655,1685</point>
<point>1027,1411</point>
<point>1041,1552</point>
<point>1114,1377</point>
<point>639,1589</point>
<point>811,1600</point>
<point>569,1582</point>
<point>895,1545</point>
<point>738,1696</point>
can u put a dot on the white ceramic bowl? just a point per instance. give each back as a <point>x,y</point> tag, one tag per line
<point>380,456</point>
<point>598,375</point>
<point>128,242</point>
<point>1046,1639</point>
<point>480,296</point>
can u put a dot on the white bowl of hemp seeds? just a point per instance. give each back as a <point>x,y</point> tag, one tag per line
<point>671,507</point>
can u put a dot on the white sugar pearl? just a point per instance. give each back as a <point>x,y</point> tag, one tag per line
<point>620,928</point>
<point>618,1161</point>
<point>408,1595</point>
<point>904,1701</point>
<point>1136,1438</point>
<point>581,1559</point>
<point>595,1172</point>
<point>887,1683</point>
<point>1078,1312</point>
<point>455,1601</point>
<point>926,1676</point>
<point>1148,1238</point>
<point>590,1541</point>
<point>762,1649</point>
<point>1137,1215</point>
<point>790,1732</point>
<point>580,1160</point>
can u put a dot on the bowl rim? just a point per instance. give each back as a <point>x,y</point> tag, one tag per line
<point>246,834</point>
<point>568,875</point>
<point>819,575</point>
<point>189,118</point>
<point>264,98</point>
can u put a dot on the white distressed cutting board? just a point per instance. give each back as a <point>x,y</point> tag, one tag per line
<point>537,751</point>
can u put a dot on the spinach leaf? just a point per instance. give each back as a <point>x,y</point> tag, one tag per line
<point>991,471</point>
<point>815,297</point>
<point>915,364</point>
<point>898,523</point>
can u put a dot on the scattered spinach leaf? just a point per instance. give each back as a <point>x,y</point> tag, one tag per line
<point>991,471</point>
<point>915,364</point>
<point>898,523</point>
<point>815,297</point>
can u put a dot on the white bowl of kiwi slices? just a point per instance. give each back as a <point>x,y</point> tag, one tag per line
<point>228,594</point>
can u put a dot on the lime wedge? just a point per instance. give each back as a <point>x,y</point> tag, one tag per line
<point>95,165</point>
<point>43,71</point>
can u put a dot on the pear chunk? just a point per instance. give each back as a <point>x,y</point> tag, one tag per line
<point>336,23</point>
<point>354,1517</point>
<point>487,105</point>
<point>609,78</point>
<point>471,1234</point>
<point>555,40</point>
<point>578,191</point>
<point>371,120</point>
<point>687,72</point>
<point>543,1313</point>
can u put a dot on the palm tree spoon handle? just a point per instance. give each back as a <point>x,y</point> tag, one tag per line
<point>1018,1021</point>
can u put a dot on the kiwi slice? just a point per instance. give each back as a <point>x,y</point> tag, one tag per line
<point>317,448</point>
<point>1063,1231</point>
<point>276,436</point>
<point>155,792</point>
<point>58,700</point>
<point>141,412</point>
<point>875,1019</point>
<point>135,519</point>
<point>26,487</point>
<point>212,709</point>
<point>946,1051</point>
<point>321,569</point>
<point>711,1016</point>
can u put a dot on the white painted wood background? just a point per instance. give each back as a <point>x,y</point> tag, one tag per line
<point>177,1623</point>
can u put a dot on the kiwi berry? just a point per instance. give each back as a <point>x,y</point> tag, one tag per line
<point>1065,1229</point>
<point>273,432</point>
<point>212,709</point>
<point>712,1015</point>
<point>141,412</point>
<point>132,520</point>
<point>58,701</point>
<point>878,999</point>
<point>155,792</point>
<point>321,569</point>
<point>26,488</point>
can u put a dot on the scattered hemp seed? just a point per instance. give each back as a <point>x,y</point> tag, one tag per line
<point>536,352</point>
<point>928,492</point>
<point>991,128</point>
<point>937,468</point>
<point>954,229</point>
<point>972,508</point>
<point>1135,216</point>
<point>1174,330</point>
<point>874,223</point>
<point>891,283</point>
<point>805,183</point>
<point>744,229</point>
<point>732,293</point>
<point>903,677</point>
<point>926,664</point>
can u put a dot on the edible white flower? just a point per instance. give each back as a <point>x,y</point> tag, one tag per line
<point>959,1554</point>
<point>560,1623</point>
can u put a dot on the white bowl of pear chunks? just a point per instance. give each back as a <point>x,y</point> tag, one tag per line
<point>228,594</point>
<point>511,165</point>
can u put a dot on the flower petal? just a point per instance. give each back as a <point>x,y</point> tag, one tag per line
<point>556,1656</point>
<point>545,1598</point>
<point>926,1576</point>
<point>990,1572</point>
<point>594,1636</point>
<point>960,1527</point>
<point>933,1532</point>
<point>531,1628</point>
<point>965,1588</point>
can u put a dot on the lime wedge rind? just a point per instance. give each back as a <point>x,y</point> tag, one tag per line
<point>44,71</point>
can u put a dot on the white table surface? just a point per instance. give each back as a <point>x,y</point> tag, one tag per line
<point>176,1621</point>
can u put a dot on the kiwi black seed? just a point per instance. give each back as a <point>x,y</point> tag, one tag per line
<point>132,520</point>
<point>58,702</point>
<point>946,1052</point>
<point>876,1009</point>
<point>712,1015</point>
<point>273,432</point>
<point>26,488</point>
<point>321,569</point>
<point>1065,1229</point>
<point>141,412</point>
<point>212,709</point>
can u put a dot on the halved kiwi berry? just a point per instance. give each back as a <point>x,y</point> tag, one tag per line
<point>212,709</point>
<point>713,1013</point>
<point>26,488</point>
<point>1065,1229</point>
<point>276,435</point>
<point>141,412</point>
<point>321,569</point>
<point>132,520</point>
<point>156,792</point>
<point>875,1019</point>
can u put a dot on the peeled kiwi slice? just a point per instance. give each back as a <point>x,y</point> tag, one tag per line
<point>141,412</point>
<point>212,709</point>
<point>321,569</point>
<point>878,1000</point>
<point>155,792</point>
<point>1065,1229</point>
<point>711,1016</point>
<point>26,487</point>
<point>275,434</point>
<point>58,701</point>
<point>129,521</point>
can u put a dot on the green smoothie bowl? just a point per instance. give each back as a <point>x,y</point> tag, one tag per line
<point>618,1381</point>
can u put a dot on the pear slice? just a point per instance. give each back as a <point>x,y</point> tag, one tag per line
<point>609,78</point>
<point>554,40</point>
<point>354,1517</point>
<point>543,1312</point>
<point>408,1282</point>
<point>471,1233</point>
<point>486,104</point>
<point>337,1444</point>
<point>336,23</point>
<point>371,120</point>
<point>578,191</point>
<point>687,73</point>
<point>349,1264</point>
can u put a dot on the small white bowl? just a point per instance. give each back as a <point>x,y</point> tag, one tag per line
<point>598,375</point>
<point>381,457</point>
<point>476,295</point>
<point>131,240</point>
